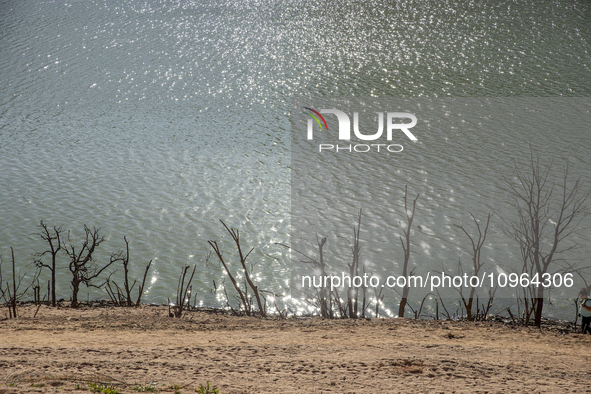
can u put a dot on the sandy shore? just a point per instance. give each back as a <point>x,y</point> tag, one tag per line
<point>62,350</point>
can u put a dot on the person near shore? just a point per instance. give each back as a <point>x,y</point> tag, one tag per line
<point>585,311</point>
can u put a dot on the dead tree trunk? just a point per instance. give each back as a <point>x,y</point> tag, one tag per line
<point>543,223</point>
<point>54,241</point>
<point>406,248</point>
<point>126,272</point>
<point>13,296</point>
<point>476,263</point>
<point>82,265</point>
<point>354,271</point>
<point>218,252</point>
<point>235,234</point>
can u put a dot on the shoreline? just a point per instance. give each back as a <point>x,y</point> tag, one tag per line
<point>65,350</point>
<point>548,323</point>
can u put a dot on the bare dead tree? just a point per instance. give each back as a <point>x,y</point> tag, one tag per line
<point>548,213</point>
<point>482,312</point>
<point>116,295</point>
<point>528,294</point>
<point>125,261</point>
<point>379,298</point>
<point>37,292</point>
<point>282,314</point>
<point>126,300</point>
<point>141,288</point>
<point>219,253</point>
<point>329,301</point>
<point>364,298</point>
<point>235,235</point>
<point>352,292</point>
<point>477,264</point>
<point>418,313</point>
<point>12,295</point>
<point>182,291</point>
<point>323,300</point>
<point>410,214</point>
<point>5,293</point>
<point>53,238</point>
<point>82,265</point>
<point>352,309</point>
<point>14,289</point>
<point>445,312</point>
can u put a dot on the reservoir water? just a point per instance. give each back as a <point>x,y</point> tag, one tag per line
<point>154,120</point>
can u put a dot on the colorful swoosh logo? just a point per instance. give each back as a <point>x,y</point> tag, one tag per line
<point>315,115</point>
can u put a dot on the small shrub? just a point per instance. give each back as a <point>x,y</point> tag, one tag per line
<point>37,385</point>
<point>95,388</point>
<point>207,390</point>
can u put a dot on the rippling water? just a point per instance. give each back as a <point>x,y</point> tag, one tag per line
<point>155,119</point>
<point>461,164</point>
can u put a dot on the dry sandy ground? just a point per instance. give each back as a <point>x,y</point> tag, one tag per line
<point>64,350</point>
